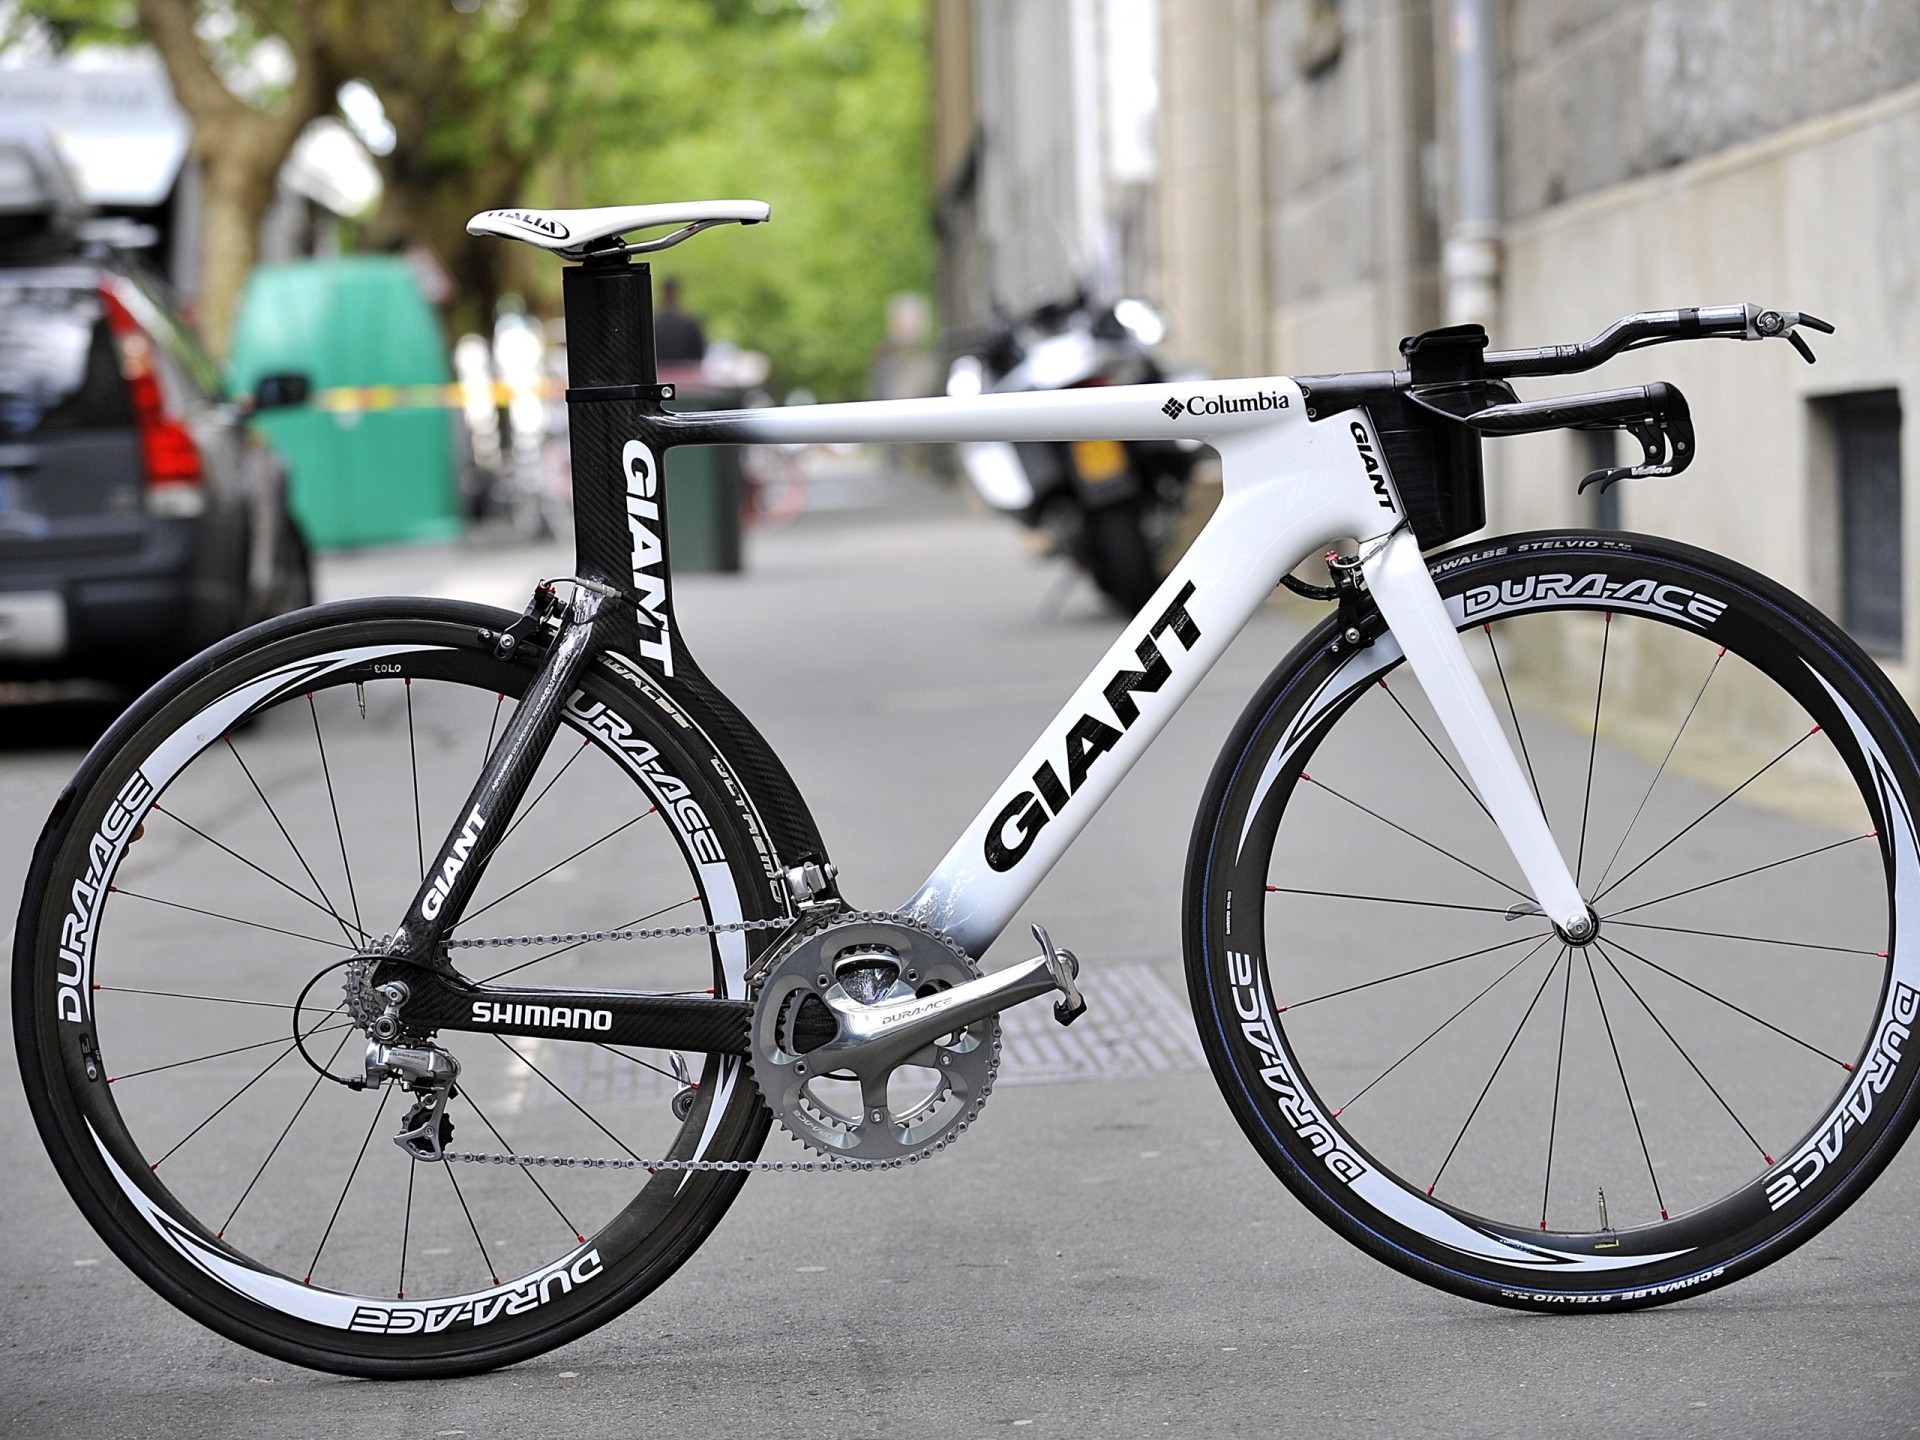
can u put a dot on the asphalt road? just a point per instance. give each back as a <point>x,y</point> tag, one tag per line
<point>1102,1255</point>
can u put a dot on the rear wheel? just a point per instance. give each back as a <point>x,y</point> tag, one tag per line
<point>187,930</point>
<point>1478,1102</point>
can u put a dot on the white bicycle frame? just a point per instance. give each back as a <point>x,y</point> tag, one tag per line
<point>1292,485</point>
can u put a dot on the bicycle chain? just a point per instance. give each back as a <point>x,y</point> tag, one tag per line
<point>575,1162</point>
<point>586,937</point>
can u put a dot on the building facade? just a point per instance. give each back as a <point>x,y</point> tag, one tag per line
<point>1331,175</point>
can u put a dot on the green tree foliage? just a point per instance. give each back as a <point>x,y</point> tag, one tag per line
<point>819,108</point>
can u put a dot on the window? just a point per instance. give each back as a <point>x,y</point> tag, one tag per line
<point>1866,452</point>
<point>1598,450</point>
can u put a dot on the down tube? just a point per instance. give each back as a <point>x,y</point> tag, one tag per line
<point>1257,536</point>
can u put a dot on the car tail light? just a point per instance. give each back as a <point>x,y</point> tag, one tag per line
<point>171,459</point>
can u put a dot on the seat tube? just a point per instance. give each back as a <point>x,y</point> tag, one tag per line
<point>1397,576</point>
<point>613,412</point>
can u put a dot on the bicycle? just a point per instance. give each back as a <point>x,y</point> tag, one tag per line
<point>1378,897</point>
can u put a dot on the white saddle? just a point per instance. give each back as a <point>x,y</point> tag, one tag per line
<point>571,233</point>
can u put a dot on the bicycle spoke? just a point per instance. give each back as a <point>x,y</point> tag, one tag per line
<point>1402,975</point>
<point>1742,874</point>
<point>649,1065</point>
<point>1545,941</point>
<point>1685,720</point>
<point>1593,746</point>
<point>184,995</point>
<point>1525,754</point>
<point>279,1140</point>
<point>1385,899</point>
<point>492,726</point>
<point>1721,999</point>
<point>551,954</point>
<point>485,1259</point>
<point>1497,1066</point>
<point>1437,849</point>
<point>1559,1067</point>
<point>285,834</point>
<point>585,1113</point>
<point>338,830</point>
<point>230,919</point>
<point>222,1105</point>
<point>413,762</point>
<point>525,1170</point>
<point>626,825</point>
<point>324,909</point>
<point>236,1050</point>
<point>1749,939</point>
<point>386,1093</point>
<point>1605,948</point>
<point>1626,1089</point>
<point>1472,794</point>
<point>543,793</point>
<point>406,1229</point>
<point>1709,810</point>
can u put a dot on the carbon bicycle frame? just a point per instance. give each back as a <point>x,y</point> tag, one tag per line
<point>1293,483</point>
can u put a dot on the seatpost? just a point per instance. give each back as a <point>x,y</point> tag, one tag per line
<point>613,407</point>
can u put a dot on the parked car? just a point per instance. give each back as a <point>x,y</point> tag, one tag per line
<point>141,518</point>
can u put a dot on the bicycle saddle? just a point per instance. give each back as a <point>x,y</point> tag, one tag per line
<point>572,234</point>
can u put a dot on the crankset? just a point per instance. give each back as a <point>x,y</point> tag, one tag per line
<point>876,1039</point>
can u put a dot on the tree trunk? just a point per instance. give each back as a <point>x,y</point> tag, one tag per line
<point>236,190</point>
<point>240,150</point>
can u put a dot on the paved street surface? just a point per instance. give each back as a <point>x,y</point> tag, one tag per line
<point>1103,1254</point>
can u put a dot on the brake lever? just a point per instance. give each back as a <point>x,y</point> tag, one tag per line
<point>1769,324</point>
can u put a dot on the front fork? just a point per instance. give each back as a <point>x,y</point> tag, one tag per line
<point>1404,590</point>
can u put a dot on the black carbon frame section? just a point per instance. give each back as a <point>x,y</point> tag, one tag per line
<point>609,310</point>
<point>694,1023</point>
<point>790,824</point>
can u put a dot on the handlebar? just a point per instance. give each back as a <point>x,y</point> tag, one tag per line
<point>1657,327</point>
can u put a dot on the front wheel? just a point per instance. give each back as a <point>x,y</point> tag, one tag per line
<point>1453,1086</point>
<point>184,1000</point>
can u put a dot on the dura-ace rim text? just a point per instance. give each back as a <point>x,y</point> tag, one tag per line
<point>1301,1131</point>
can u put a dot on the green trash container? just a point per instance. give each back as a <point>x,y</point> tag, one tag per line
<point>705,491</point>
<point>370,472</point>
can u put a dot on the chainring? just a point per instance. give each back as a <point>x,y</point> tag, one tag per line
<point>868,959</point>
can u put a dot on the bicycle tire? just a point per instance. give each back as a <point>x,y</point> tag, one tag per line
<point>1119,556</point>
<point>1688,1119</point>
<point>505,1261</point>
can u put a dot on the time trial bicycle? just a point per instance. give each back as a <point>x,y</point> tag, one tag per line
<point>1542,914</point>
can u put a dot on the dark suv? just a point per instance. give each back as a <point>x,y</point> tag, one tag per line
<point>140,519</point>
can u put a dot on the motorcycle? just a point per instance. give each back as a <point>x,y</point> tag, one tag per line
<point>1107,505</point>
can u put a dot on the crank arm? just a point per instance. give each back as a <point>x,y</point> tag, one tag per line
<point>873,1039</point>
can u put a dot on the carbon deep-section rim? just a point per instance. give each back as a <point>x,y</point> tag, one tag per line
<point>1463,1092</point>
<point>251,821</point>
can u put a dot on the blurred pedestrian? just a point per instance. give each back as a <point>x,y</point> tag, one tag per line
<point>677,336</point>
